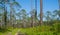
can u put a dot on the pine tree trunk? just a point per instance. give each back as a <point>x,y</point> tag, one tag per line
<point>59,4</point>
<point>41,12</point>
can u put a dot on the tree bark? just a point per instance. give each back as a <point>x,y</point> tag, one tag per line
<point>59,4</point>
<point>41,12</point>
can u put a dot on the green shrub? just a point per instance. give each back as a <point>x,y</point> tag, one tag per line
<point>57,27</point>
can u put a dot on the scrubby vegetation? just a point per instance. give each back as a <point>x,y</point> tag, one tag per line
<point>38,30</point>
<point>42,30</point>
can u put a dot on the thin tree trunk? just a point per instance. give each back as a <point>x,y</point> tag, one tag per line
<point>59,4</point>
<point>41,12</point>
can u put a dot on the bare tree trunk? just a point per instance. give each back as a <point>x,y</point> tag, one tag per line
<point>59,8</point>
<point>41,12</point>
<point>59,4</point>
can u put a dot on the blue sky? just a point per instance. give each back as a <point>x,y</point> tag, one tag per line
<point>48,5</point>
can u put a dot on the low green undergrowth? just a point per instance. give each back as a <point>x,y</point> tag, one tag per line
<point>42,30</point>
<point>38,30</point>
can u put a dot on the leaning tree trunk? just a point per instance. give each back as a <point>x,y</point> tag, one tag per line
<point>41,12</point>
